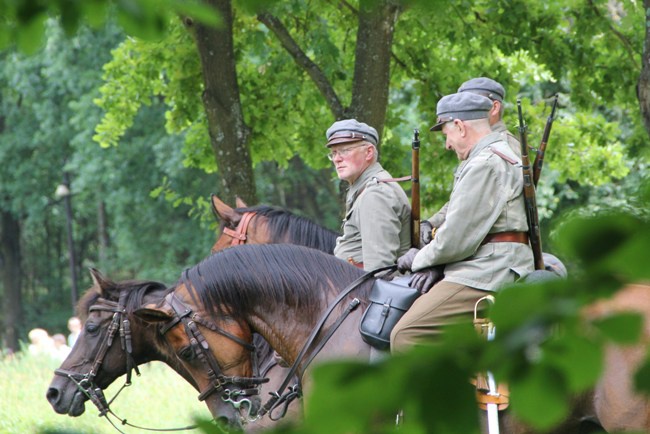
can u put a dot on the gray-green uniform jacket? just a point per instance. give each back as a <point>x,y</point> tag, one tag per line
<point>499,127</point>
<point>487,198</point>
<point>377,224</point>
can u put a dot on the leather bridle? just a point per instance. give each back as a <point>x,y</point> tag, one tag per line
<point>233,389</point>
<point>239,233</point>
<point>85,382</point>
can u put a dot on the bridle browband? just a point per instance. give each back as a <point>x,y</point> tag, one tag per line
<point>239,233</point>
<point>243,388</point>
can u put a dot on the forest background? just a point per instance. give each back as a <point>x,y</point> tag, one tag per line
<point>142,112</point>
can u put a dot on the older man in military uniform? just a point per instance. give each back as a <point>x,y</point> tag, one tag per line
<point>483,243</point>
<point>376,227</point>
<point>495,92</point>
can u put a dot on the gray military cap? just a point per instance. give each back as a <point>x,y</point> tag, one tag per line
<point>463,105</point>
<point>484,86</point>
<point>350,130</point>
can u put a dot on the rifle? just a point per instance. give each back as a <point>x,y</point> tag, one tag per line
<point>415,190</point>
<point>529,196</point>
<point>539,158</point>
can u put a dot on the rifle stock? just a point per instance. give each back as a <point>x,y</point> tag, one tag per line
<point>415,190</point>
<point>539,157</point>
<point>529,196</point>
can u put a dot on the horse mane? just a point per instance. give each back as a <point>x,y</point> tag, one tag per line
<point>238,280</point>
<point>136,290</point>
<point>286,227</point>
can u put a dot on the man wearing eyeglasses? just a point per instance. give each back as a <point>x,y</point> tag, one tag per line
<point>376,228</point>
<point>483,242</point>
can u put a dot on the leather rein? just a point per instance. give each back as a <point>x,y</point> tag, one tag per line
<point>239,233</point>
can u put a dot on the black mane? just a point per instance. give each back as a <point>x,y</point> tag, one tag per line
<point>286,227</point>
<point>251,276</point>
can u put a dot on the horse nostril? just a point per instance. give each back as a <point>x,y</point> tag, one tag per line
<point>52,395</point>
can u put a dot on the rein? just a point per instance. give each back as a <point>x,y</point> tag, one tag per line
<point>279,397</point>
<point>239,233</point>
<point>245,387</point>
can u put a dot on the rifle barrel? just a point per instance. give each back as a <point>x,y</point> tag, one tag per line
<point>529,196</point>
<point>415,189</point>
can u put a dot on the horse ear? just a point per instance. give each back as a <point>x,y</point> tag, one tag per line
<point>239,202</point>
<point>223,211</point>
<point>152,313</point>
<point>98,278</point>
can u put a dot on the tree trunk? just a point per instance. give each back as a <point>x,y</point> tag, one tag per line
<point>10,267</point>
<point>229,134</point>
<point>372,62</point>
<point>643,87</point>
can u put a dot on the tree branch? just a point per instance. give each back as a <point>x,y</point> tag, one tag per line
<point>304,62</point>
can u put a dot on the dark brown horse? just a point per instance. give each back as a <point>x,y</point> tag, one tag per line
<point>103,353</point>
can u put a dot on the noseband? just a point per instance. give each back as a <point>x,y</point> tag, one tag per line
<point>85,382</point>
<point>239,233</point>
<point>243,387</point>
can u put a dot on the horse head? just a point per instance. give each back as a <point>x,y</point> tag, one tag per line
<point>236,225</point>
<point>111,344</point>
<point>263,224</point>
<point>217,352</point>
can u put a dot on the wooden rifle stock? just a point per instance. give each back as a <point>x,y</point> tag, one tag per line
<point>539,158</point>
<point>529,196</point>
<point>415,190</point>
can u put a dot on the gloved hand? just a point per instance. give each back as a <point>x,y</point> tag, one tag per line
<point>405,261</point>
<point>423,280</point>
<point>426,229</point>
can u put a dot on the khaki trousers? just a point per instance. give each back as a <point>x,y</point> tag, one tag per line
<point>445,303</point>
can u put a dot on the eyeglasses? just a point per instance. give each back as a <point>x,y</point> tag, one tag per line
<point>343,152</point>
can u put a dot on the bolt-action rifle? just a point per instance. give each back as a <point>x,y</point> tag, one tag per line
<point>529,196</point>
<point>415,190</point>
<point>539,158</point>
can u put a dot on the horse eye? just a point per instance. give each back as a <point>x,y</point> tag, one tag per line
<point>186,353</point>
<point>92,328</point>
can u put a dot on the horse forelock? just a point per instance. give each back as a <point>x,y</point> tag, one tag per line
<point>286,227</point>
<point>245,279</point>
<point>136,291</point>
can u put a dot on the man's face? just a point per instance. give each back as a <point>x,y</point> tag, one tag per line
<point>455,138</point>
<point>350,160</point>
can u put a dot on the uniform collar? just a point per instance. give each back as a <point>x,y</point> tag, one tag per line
<point>357,187</point>
<point>484,143</point>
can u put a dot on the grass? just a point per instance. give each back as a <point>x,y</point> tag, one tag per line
<point>159,398</point>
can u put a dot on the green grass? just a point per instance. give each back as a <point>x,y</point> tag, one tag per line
<point>159,398</point>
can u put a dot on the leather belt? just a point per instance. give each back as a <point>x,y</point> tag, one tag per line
<point>506,237</point>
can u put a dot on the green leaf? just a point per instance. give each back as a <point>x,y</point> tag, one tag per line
<point>623,328</point>
<point>540,398</point>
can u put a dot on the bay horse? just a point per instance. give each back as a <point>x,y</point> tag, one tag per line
<point>264,224</point>
<point>276,290</point>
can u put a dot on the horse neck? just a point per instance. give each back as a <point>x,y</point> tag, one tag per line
<point>287,332</point>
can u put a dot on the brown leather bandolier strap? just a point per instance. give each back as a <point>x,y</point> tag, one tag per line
<point>506,237</point>
<point>402,179</point>
<point>355,263</point>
